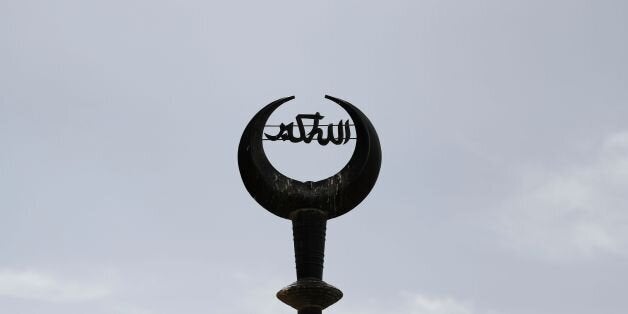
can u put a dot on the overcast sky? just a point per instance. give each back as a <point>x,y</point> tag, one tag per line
<point>504,130</point>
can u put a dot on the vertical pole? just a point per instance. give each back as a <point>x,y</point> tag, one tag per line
<point>309,294</point>
<point>308,229</point>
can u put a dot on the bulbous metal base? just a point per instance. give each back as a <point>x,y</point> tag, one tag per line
<point>309,294</point>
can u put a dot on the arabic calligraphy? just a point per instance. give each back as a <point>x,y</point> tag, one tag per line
<point>286,131</point>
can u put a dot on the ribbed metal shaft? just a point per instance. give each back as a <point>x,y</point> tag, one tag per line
<point>308,228</point>
<point>309,294</point>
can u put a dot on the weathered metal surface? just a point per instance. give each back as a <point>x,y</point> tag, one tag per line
<point>309,204</point>
<point>335,195</point>
<point>308,229</point>
<point>309,295</point>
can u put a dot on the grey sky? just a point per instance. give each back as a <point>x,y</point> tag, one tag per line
<point>503,126</point>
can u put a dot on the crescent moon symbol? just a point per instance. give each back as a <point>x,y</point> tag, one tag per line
<point>335,195</point>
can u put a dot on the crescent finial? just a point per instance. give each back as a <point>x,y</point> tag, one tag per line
<point>335,195</point>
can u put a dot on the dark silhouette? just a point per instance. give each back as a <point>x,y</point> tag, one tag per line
<point>309,204</point>
<point>286,131</point>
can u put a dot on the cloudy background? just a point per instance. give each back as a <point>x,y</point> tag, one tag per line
<point>504,128</point>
